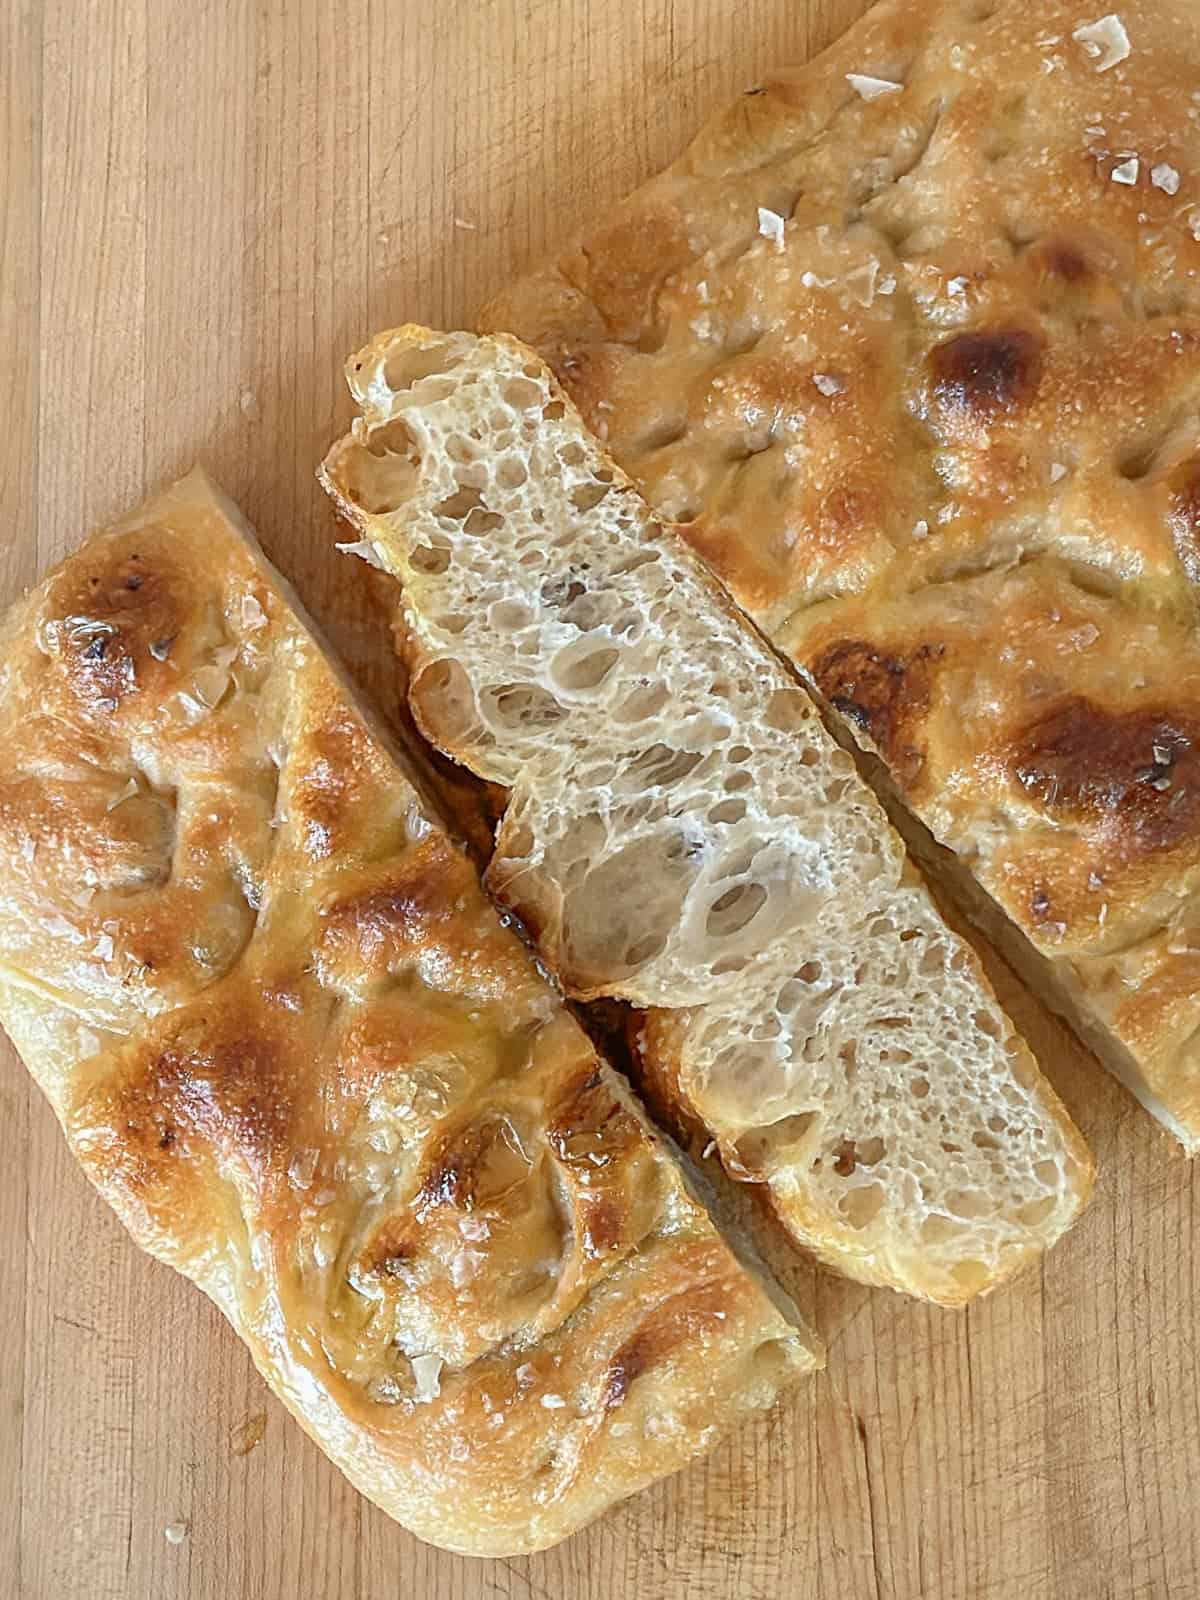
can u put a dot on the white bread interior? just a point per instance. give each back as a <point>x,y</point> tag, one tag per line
<point>683,832</point>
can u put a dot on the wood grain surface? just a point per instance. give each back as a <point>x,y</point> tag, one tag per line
<point>204,208</point>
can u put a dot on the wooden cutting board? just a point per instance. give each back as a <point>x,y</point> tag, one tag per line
<point>205,207</point>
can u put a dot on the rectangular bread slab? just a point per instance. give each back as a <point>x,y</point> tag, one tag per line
<point>684,834</point>
<point>909,341</point>
<point>290,1042</point>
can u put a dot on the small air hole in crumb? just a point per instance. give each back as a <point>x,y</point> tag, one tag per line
<point>735,910</point>
<point>586,671</point>
<point>407,366</point>
<point>972,1275</point>
<point>987,1024</point>
<point>555,411</point>
<point>969,1204</point>
<point>645,950</point>
<point>660,765</point>
<point>458,506</point>
<point>518,706</point>
<point>461,450</point>
<point>728,964</point>
<point>511,473</point>
<point>728,811</point>
<point>479,522</point>
<point>1034,1212</point>
<point>392,439</point>
<point>432,559</point>
<point>937,1229</point>
<point>810,972</point>
<point>862,1204</point>
<point>589,495</point>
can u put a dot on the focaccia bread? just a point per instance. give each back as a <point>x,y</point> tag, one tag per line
<point>909,339</point>
<point>289,1040</point>
<point>684,834</point>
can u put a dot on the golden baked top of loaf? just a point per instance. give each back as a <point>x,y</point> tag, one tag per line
<point>291,1042</point>
<point>909,342</point>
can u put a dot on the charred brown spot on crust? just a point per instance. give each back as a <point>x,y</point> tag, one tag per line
<point>1183,491</point>
<point>603,1226</point>
<point>198,1087</point>
<point>985,375</point>
<point>392,1253</point>
<point>884,694</point>
<point>598,1142</point>
<point>629,1363</point>
<point>678,1321</point>
<point>1135,774</point>
<point>1061,260</point>
<point>479,1165</point>
<point>107,623</point>
<point>588,1121</point>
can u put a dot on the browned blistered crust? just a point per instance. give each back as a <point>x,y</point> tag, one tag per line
<point>292,1044</point>
<point>942,440</point>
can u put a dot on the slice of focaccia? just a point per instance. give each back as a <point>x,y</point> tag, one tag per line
<point>910,339</point>
<point>289,1040</point>
<point>684,834</point>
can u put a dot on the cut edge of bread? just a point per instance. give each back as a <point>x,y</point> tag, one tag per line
<point>528,565</point>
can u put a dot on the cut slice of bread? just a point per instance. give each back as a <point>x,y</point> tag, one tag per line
<point>683,833</point>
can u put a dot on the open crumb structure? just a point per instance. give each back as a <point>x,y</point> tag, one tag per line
<point>683,833</point>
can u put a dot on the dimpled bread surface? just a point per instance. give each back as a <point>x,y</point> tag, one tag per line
<point>909,341</point>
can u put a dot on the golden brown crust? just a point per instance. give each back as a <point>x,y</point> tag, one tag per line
<point>940,438</point>
<point>290,1041</point>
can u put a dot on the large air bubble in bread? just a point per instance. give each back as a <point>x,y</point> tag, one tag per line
<point>914,1126</point>
<point>682,832</point>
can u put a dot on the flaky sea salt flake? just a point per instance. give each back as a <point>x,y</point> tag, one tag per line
<point>1165,177</point>
<point>861,282</point>
<point>367,551</point>
<point>427,1374</point>
<point>869,88</point>
<point>770,225</point>
<point>1127,172</point>
<point>1104,41</point>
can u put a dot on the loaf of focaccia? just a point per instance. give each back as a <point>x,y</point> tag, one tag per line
<point>289,1040</point>
<point>909,339</point>
<point>684,834</point>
